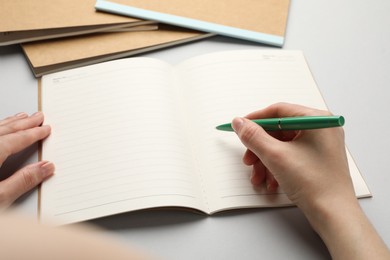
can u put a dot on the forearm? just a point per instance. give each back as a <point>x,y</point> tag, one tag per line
<point>311,167</point>
<point>346,231</point>
<point>23,238</point>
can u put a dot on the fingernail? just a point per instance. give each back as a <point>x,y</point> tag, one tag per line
<point>22,114</point>
<point>37,113</point>
<point>46,126</point>
<point>47,169</point>
<point>237,124</point>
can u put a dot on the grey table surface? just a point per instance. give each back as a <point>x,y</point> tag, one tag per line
<point>347,46</point>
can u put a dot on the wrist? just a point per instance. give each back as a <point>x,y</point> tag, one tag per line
<point>326,215</point>
<point>345,229</point>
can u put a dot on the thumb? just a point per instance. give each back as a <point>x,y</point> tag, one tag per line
<point>253,136</point>
<point>24,180</point>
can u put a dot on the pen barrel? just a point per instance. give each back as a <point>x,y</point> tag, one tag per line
<point>311,122</point>
<point>269,124</point>
<point>294,123</point>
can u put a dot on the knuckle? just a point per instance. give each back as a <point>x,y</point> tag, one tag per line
<point>11,128</point>
<point>29,178</point>
<point>275,155</point>
<point>315,112</point>
<point>280,104</point>
<point>325,113</point>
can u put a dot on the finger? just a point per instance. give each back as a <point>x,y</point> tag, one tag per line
<point>272,184</point>
<point>249,158</point>
<point>24,180</point>
<point>285,110</point>
<point>258,174</point>
<point>286,135</point>
<point>21,123</point>
<point>15,142</point>
<point>253,136</point>
<point>13,118</point>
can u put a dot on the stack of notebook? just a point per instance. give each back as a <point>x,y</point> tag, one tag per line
<point>63,34</point>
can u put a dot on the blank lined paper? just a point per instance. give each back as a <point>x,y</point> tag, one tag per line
<point>116,142</point>
<point>220,87</point>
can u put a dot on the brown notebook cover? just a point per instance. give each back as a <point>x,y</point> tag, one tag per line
<point>29,20</point>
<point>261,21</point>
<point>60,54</point>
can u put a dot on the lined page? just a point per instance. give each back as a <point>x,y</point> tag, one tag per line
<point>116,142</point>
<point>221,86</point>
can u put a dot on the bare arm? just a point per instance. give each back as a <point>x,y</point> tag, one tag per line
<point>312,168</point>
<point>24,238</point>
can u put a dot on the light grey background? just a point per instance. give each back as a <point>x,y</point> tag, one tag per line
<point>347,46</point>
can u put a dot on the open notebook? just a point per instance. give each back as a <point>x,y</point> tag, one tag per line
<point>139,133</point>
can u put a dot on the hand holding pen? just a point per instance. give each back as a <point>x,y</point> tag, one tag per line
<point>276,155</point>
<point>311,167</point>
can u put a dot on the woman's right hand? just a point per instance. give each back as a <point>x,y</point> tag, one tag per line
<point>311,167</point>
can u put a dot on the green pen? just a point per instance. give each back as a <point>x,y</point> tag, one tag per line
<point>293,123</point>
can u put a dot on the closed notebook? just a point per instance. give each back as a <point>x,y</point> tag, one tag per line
<point>30,20</point>
<point>261,21</point>
<point>60,54</point>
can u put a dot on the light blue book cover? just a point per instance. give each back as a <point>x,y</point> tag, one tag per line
<point>270,16</point>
